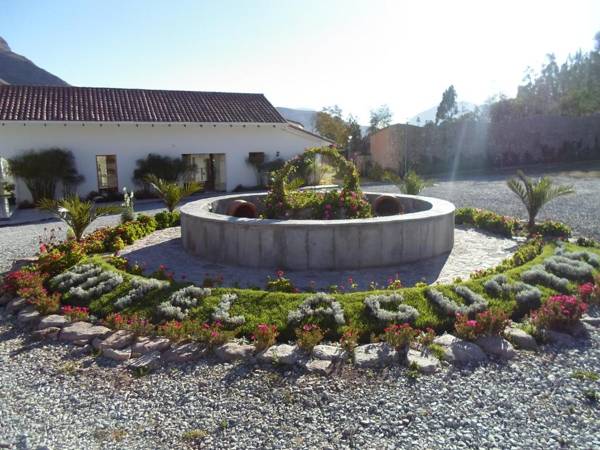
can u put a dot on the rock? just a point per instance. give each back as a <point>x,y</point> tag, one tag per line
<point>28,316</point>
<point>329,352</point>
<point>374,355</point>
<point>46,334</point>
<point>118,340</point>
<point>497,346</point>
<point>116,354</point>
<point>458,351</point>
<point>321,366</point>
<point>558,338</point>
<point>81,350</point>
<point>233,352</point>
<point>53,320</point>
<point>424,362</point>
<point>82,332</point>
<point>148,361</point>
<point>147,345</point>
<point>578,330</point>
<point>5,299</point>
<point>16,305</point>
<point>593,321</point>
<point>183,353</point>
<point>281,354</point>
<point>520,339</point>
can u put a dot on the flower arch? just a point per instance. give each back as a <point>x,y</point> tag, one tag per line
<point>349,172</point>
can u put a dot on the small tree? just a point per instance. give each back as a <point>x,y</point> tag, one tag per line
<point>77,214</point>
<point>172,193</point>
<point>43,170</point>
<point>536,193</point>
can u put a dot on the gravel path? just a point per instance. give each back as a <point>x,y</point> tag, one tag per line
<point>52,398</point>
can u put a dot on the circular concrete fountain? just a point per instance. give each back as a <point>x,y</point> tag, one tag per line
<point>424,230</point>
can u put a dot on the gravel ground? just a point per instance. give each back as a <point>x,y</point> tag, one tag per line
<point>581,211</point>
<point>51,398</point>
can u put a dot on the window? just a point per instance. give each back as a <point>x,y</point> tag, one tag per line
<point>106,166</point>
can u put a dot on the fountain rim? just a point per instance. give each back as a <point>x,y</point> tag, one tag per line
<point>202,209</point>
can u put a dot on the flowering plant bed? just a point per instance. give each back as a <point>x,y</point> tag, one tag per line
<point>241,311</point>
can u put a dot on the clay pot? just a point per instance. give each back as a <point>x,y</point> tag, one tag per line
<point>387,205</point>
<point>242,208</point>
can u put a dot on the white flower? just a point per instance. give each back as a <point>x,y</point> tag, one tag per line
<point>319,304</point>
<point>401,313</point>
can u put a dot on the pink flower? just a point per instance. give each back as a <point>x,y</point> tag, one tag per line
<point>471,323</point>
<point>585,290</point>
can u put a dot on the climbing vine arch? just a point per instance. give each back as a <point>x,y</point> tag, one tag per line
<point>346,168</point>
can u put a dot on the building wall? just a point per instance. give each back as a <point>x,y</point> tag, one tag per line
<point>131,142</point>
<point>472,144</point>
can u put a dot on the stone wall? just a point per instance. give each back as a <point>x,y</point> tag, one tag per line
<point>473,145</point>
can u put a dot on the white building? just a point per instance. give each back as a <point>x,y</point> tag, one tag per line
<point>109,129</point>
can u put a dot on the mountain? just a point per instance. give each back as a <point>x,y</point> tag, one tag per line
<point>429,114</point>
<point>16,69</point>
<point>304,116</point>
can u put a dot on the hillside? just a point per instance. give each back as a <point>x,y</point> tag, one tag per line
<point>16,69</point>
<point>429,114</point>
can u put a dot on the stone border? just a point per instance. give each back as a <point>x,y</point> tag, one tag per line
<point>145,353</point>
<point>318,244</point>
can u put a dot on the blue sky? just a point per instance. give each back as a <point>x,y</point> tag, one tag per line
<point>357,54</point>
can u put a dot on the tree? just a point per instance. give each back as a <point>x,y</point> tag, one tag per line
<point>447,107</point>
<point>355,144</point>
<point>330,124</point>
<point>77,214</point>
<point>380,118</point>
<point>536,193</point>
<point>172,193</point>
<point>43,170</point>
<point>163,167</point>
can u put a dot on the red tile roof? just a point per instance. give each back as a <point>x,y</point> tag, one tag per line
<point>81,104</point>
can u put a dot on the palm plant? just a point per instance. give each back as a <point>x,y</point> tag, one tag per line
<point>536,193</point>
<point>172,193</point>
<point>77,214</point>
<point>411,184</point>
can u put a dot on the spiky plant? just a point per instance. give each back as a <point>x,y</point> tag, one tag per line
<point>172,193</point>
<point>411,184</point>
<point>77,214</point>
<point>536,193</point>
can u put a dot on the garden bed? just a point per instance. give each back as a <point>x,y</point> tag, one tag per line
<point>547,281</point>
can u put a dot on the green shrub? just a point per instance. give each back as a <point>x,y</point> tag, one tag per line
<point>43,170</point>
<point>551,228</point>
<point>486,220</point>
<point>465,216</point>
<point>166,219</point>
